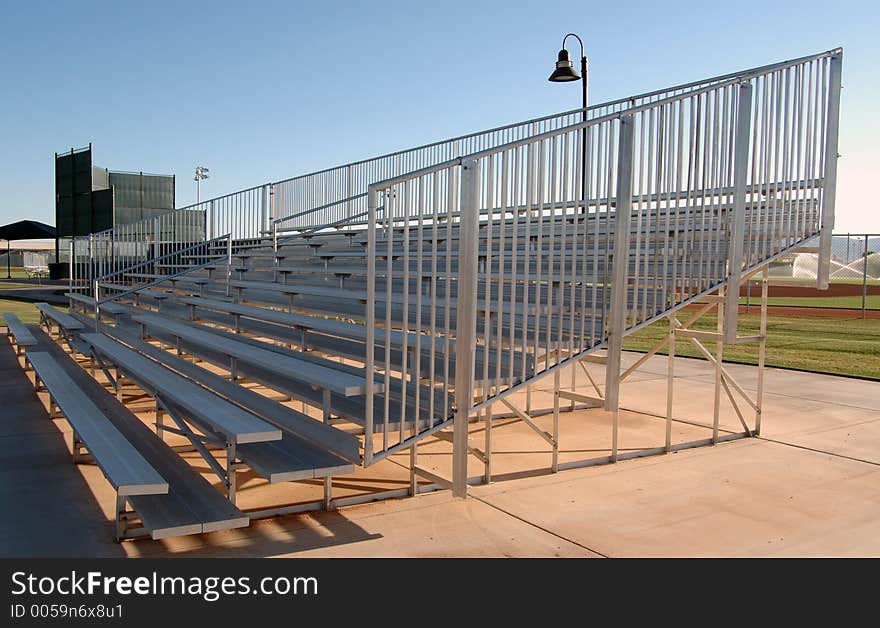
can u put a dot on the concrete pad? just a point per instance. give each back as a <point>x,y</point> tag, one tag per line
<point>46,505</point>
<point>746,498</point>
<point>715,501</point>
<point>435,525</point>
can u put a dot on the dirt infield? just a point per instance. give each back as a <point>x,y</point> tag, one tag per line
<point>789,290</point>
<point>815,312</point>
<point>810,312</point>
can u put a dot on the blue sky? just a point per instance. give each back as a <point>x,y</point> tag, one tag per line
<point>261,91</point>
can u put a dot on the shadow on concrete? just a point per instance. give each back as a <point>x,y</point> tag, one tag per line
<point>46,507</point>
<point>266,537</point>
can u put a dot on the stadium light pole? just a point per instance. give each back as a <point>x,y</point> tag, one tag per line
<point>201,173</point>
<point>565,73</point>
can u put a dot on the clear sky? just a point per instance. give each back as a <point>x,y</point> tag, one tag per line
<point>261,91</point>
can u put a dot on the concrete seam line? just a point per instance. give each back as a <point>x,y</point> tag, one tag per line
<point>535,525</point>
<point>818,451</point>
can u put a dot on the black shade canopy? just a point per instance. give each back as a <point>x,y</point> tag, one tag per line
<point>27,230</point>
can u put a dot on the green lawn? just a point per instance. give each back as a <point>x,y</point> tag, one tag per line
<point>821,345</point>
<point>25,311</point>
<point>852,302</point>
<point>17,273</point>
<point>812,282</point>
<point>13,285</point>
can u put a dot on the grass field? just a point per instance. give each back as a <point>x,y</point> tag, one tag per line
<point>17,272</point>
<point>25,311</point>
<point>812,282</point>
<point>821,345</point>
<point>851,302</point>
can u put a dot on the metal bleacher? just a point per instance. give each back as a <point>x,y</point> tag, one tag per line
<point>401,298</point>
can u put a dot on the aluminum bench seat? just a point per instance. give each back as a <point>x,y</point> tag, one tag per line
<point>20,334</point>
<point>62,320</point>
<point>235,424</point>
<point>89,302</point>
<point>299,321</point>
<point>395,384</point>
<point>191,505</point>
<point>326,437</point>
<point>286,458</point>
<point>319,376</point>
<point>119,460</point>
<point>351,408</point>
<point>335,337</point>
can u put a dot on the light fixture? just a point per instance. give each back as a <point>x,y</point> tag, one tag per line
<point>564,71</point>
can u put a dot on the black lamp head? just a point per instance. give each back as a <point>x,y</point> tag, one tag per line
<point>564,71</point>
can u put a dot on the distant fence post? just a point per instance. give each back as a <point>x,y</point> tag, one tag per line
<point>865,278</point>
<point>829,183</point>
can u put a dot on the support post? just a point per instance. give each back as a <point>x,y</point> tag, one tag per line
<point>370,323</point>
<point>487,470</point>
<point>829,183</point>
<point>466,321</point>
<point>228,261</point>
<point>719,356</point>
<point>70,270</point>
<point>738,218</point>
<point>231,486</point>
<point>264,203</point>
<point>670,379</point>
<point>620,264</point>
<point>554,465</point>
<point>762,352</point>
<point>91,262</point>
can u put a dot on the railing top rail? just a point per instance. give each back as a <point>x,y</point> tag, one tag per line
<point>741,74</point>
<point>729,80</point>
<point>220,198</point>
<point>709,83</point>
<point>317,209</point>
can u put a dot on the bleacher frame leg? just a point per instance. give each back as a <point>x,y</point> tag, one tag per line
<point>160,421</point>
<point>670,383</point>
<point>487,465</point>
<point>120,518</point>
<point>413,463</point>
<point>231,469</point>
<point>76,447</point>
<point>326,415</point>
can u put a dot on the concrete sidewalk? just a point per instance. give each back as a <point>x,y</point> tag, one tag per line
<point>809,486</point>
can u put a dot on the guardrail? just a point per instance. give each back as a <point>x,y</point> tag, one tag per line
<point>674,198</point>
<point>333,196</point>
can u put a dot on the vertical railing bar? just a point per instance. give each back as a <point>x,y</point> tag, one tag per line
<point>370,324</point>
<point>737,220</point>
<point>466,314</point>
<point>832,126</point>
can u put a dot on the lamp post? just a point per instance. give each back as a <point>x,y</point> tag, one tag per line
<point>565,73</point>
<point>201,173</point>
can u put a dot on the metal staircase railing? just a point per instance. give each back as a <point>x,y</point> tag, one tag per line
<point>683,194</point>
<point>335,196</point>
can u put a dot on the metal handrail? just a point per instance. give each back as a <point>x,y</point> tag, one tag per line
<point>619,101</point>
<point>639,143</point>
